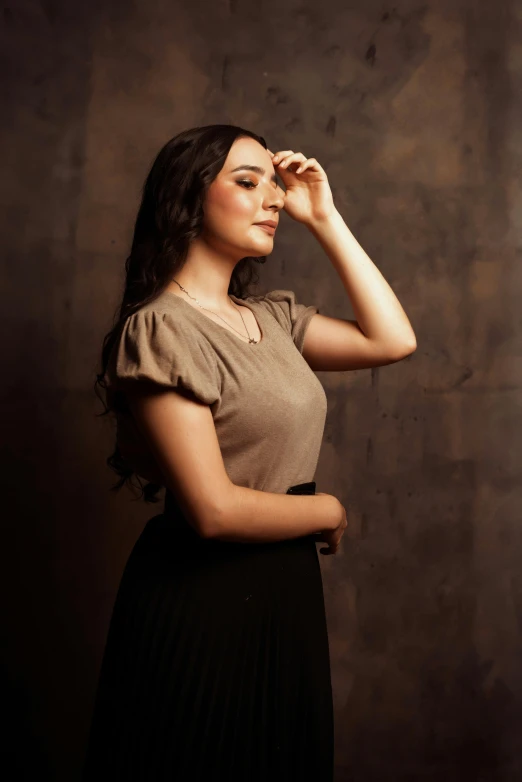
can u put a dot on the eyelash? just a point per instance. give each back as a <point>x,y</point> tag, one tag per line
<point>248,182</point>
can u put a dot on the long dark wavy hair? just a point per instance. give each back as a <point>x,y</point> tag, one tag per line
<point>170,216</point>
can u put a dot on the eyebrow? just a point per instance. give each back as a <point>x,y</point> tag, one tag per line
<point>257,169</point>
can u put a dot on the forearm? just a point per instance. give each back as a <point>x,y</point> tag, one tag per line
<point>251,516</point>
<point>379,313</point>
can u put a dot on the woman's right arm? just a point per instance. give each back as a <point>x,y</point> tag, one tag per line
<point>181,435</point>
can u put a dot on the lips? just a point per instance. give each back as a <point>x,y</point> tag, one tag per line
<point>271,223</point>
<point>268,226</point>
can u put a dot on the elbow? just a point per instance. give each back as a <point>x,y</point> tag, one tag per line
<point>405,349</point>
<point>411,347</point>
<point>207,525</point>
<point>212,522</point>
<point>207,529</point>
<point>203,520</point>
<point>218,517</point>
<point>206,511</point>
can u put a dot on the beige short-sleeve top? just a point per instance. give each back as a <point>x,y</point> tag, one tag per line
<point>268,406</point>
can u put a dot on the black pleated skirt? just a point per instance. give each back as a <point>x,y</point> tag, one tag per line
<point>216,665</point>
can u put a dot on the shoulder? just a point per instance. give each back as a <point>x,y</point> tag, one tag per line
<point>292,315</point>
<point>161,331</point>
<point>279,299</point>
<point>285,307</point>
<point>158,344</point>
<point>163,320</point>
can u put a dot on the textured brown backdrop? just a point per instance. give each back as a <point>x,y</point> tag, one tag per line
<point>414,110</point>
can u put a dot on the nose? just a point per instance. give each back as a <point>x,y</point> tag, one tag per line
<point>276,198</point>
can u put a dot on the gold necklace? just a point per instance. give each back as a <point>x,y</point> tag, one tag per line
<point>250,339</point>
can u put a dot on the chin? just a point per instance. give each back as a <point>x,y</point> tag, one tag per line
<point>268,243</point>
<point>258,250</point>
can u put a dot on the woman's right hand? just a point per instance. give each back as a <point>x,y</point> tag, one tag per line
<point>333,536</point>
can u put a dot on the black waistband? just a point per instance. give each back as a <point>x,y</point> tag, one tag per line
<point>302,488</point>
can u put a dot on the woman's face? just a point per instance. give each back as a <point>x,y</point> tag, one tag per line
<point>238,199</point>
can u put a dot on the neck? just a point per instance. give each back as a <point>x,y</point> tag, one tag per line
<point>206,275</point>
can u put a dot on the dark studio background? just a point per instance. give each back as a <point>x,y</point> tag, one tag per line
<point>414,110</point>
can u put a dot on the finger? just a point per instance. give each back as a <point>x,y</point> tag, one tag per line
<point>314,165</point>
<point>282,154</point>
<point>284,160</point>
<point>306,164</point>
<point>296,157</point>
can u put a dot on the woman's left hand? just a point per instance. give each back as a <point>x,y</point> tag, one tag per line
<point>308,197</point>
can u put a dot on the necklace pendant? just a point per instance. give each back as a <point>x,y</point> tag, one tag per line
<point>252,340</point>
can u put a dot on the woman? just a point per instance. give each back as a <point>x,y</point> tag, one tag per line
<point>216,665</point>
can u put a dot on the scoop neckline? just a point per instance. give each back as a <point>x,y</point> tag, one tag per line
<point>219,326</point>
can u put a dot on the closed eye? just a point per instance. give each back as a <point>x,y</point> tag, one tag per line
<point>245,182</point>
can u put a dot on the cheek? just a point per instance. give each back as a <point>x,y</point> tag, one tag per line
<point>231,201</point>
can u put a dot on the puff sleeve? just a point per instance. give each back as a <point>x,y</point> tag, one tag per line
<point>291,315</point>
<point>155,347</point>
